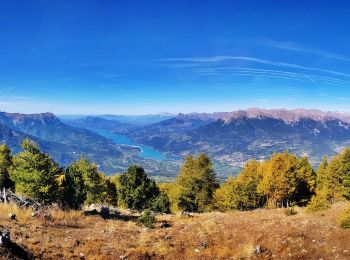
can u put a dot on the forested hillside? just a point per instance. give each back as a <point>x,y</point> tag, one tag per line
<point>281,207</point>
<point>238,136</point>
<point>283,180</point>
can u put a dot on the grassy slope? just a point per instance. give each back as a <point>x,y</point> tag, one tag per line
<point>227,235</point>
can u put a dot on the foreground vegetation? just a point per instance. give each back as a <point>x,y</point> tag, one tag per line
<point>263,207</point>
<point>282,181</point>
<point>229,235</point>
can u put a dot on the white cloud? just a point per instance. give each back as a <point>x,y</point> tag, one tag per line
<point>295,47</point>
<point>212,59</point>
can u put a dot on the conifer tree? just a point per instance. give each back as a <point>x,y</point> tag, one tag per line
<point>197,184</point>
<point>5,164</point>
<point>321,173</point>
<point>86,183</point>
<point>337,176</point>
<point>111,196</point>
<point>136,190</point>
<point>35,173</point>
<point>226,197</point>
<point>279,182</point>
<point>305,181</point>
<point>241,192</point>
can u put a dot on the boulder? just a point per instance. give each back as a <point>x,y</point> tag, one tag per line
<point>260,249</point>
<point>186,214</point>
<point>102,210</point>
<point>12,216</point>
<point>104,213</point>
<point>5,237</point>
<point>165,224</point>
<point>204,244</point>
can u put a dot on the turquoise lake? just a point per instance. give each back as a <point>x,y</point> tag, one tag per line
<point>146,151</point>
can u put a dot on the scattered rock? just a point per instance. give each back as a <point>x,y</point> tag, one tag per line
<point>204,244</point>
<point>102,210</point>
<point>12,216</point>
<point>9,196</point>
<point>5,237</point>
<point>165,224</point>
<point>168,237</point>
<point>104,213</point>
<point>186,214</point>
<point>259,249</point>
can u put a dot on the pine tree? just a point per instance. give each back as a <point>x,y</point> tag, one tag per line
<point>197,184</point>
<point>337,176</point>
<point>279,181</point>
<point>87,184</point>
<point>241,192</point>
<point>5,164</point>
<point>136,190</point>
<point>35,173</point>
<point>321,173</point>
<point>111,196</point>
<point>305,182</point>
<point>161,203</point>
<point>72,188</point>
<point>227,196</point>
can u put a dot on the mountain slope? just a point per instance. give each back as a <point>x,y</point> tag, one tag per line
<point>230,235</point>
<point>136,120</point>
<point>11,137</point>
<point>252,133</point>
<point>159,135</point>
<point>139,120</point>
<point>65,143</point>
<point>95,123</point>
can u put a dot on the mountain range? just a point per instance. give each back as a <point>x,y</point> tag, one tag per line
<point>65,143</point>
<point>229,138</point>
<point>94,122</point>
<point>235,137</point>
<point>138,120</point>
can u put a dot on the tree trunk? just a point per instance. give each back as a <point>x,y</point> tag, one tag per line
<point>4,193</point>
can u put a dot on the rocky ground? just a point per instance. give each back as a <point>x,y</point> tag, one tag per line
<point>236,235</point>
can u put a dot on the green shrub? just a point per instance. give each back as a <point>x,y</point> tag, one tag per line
<point>318,203</point>
<point>290,211</point>
<point>161,203</point>
<point>147,219</point>
<point>343,219</point>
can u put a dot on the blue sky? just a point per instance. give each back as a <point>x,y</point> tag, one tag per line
<point>140,57</point>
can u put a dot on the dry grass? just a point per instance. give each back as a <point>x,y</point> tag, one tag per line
<point>343,219</point>
<point>58,218</point>
<point>204,236</point>
<point>22,215</point>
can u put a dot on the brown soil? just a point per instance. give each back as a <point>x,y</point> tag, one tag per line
<point>203,236</point>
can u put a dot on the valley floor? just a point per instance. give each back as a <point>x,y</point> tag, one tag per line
<point>204,236</point>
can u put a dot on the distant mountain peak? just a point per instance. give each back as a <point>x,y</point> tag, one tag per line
<point>288,116</point>
<point>33,116</point>
<point>203,116</point>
